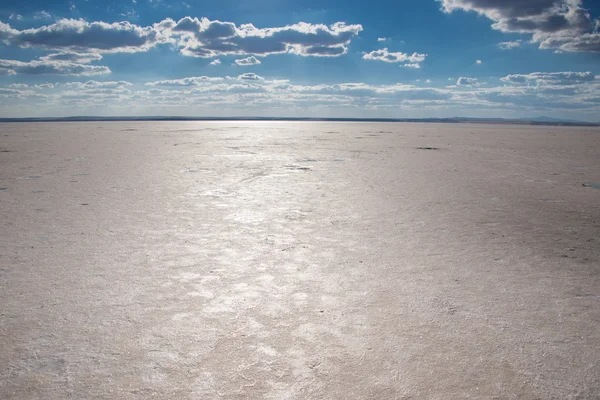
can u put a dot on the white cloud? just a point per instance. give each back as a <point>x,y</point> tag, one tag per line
<point>250,94</point>
<point>77,35</point>
<point>16,17</point>
<point>463,81</point>
<point>554,24</point>
<point>413,60</point>
<point>206,38</point>
<point>510,45</point>
<point>478,62</point>
<point>247,61</point>
<point>97,84</point>
<point>6,32</point>
<point>42,15</point>
<point>191,81</point>
<point>382,39</point>
<point>216,61</point>
<point>193,36</point>
<point>551,78</point>
<point>81,58</point>
<point>50,67</point>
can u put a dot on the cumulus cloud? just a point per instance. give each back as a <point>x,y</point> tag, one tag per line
<point>250,76</point>
<point>382,39</point>
<point>97,84</point>
<point>6,32</point>
<point>478,62</point>
<point>206,38</point>
<point>412,60</point>
<point>247,61</point>
<point>216,61</point>
<point>463,81</point>
<point>77,35</point>
<point>256,94</point>
<point>81,58</point>
<point>42,15</point>
<point>509,45</point>
<point>190,81</point>
<point>194,37</point>
<point>45,67</point>
<point>552,78</point>
<point>554,24</point>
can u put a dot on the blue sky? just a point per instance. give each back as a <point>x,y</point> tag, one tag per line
<point>426,58</point>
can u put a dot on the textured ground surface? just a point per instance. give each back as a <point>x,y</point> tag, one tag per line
<point>236,260</point>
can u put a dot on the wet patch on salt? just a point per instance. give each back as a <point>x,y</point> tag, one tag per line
<point>297,167</point>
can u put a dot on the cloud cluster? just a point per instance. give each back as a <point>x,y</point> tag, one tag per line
<point>193,36</point>
<point>411,60</point>
<point>551,78</point>
<point>554,24</point>
<point>77,35</point>
<point>50,67</point>
<point>80,58</point>
<point>247,61</point>
<point>464,81</point>
<point>510,45</point>
<point>559,93</point>
<point>205,38</point>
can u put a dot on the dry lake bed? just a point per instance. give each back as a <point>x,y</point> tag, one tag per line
<point>299,260</point>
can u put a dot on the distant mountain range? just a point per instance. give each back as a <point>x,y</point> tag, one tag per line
<point>542,120</point>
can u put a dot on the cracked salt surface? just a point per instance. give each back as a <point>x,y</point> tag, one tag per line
<point>268,268</point>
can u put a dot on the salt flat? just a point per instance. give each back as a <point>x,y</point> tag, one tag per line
<point>268,260</point>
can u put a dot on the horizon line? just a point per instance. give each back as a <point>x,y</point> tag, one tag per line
<point>520,121</point>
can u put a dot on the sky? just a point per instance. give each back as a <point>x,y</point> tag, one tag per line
<point>284,58</point>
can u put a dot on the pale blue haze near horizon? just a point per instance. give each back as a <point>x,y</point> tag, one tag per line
<point>281,58</point>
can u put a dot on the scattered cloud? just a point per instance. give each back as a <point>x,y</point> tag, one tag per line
<point>463,81</point>
<point>216,61</point>
<point>77,35</point>
<point>412,60</point>
<point>528,93</point>
<point>382,39</point>
<point>479,62</point>
<point>551,78</point>
<point>194,37</point>
<point>510,45</point>
<point>15,17</point>
<point>206,38</point>
<point>50,67</point>
<point>97,84</point>
<point>250,76</point>
<point>81,58</point>
<point>191,81</point>
<point>247,61</point>
<point>553,24</point>
<point>42,15</point>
